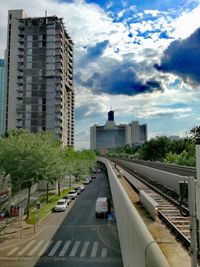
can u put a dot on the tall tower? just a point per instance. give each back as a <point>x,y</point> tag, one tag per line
<point>39,68</point>
<point>111,115</point>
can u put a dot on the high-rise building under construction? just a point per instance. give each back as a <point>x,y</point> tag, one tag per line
<point>39,76</point>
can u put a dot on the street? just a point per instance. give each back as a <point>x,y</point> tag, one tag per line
<point>72,238</point>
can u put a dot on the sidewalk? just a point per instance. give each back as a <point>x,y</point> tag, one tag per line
<point>17,231</point>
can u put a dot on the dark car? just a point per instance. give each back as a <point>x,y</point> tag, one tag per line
<point>93,176</point>
<point>78,190</point>
<point>68,198</point>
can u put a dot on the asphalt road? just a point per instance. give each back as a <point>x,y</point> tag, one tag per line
<point>72,238</point>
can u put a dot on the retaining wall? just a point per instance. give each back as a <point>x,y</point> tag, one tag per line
<point>168,179</point>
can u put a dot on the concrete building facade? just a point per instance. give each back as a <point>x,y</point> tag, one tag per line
<point>39,76</point>
<point>111,136</point>
<point>2,95</point>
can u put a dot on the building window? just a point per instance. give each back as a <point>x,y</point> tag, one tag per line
<point>10,16</point>
<point>29,37</point>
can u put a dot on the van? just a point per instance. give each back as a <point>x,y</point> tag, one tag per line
<point>101,207</point>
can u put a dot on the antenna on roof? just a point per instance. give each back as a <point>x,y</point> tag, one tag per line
<point>45,13</point>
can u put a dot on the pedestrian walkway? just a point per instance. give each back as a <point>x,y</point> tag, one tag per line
<point>59,248</point>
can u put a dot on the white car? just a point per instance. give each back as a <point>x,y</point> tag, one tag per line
<point>61,205</point>
<point>82,187</point>
<point>73,194</point>
<point>87,181</point>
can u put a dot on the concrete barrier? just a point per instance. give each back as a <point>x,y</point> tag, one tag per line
<point>168,179</point>
<point>138,247</point>
<point>149,203</point>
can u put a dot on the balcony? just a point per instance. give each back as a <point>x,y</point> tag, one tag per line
<point>70,77</point>
<point>70,84</point>
<point>20,81</point>
<point>19,116</point>
<point>70,53</point>
<point>19,74</point>
<point>70,48</point>
<point>19,95</point>
<point>21,40</point>
<point>19,123</point>
<point>20,54</point>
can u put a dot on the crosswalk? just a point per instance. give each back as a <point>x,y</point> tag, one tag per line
<point>60,248</point>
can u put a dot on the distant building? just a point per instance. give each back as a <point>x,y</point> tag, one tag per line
<point>112,136</point>
<point>174,137</point>
<point>2,95</point>
<point>39,76</point>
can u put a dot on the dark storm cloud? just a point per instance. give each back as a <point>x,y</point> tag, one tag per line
<point>97,50</point>
<point>183,58</point>
<point>118,78</point>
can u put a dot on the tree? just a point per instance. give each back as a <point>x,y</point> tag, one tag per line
<point>29,158</point>
<point>155,149</point>
<point>195,134</point>
<point>19,159</point>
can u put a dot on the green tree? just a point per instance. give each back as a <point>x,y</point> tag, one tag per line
<point>29,158</point>
<point>195,134</point>
<point>155,149</point>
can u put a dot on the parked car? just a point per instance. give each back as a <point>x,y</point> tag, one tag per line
<point>78,190</point>
<point>98,170</point>
<point>82,187</point>
<point>68,198</point>
<point>93,176</point>
<point>86,182</point>
<point>61,205</point>
<point>73,194</point>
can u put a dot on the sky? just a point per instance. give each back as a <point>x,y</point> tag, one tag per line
<point>138,58</point>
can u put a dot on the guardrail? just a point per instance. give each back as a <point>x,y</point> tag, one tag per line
<point>137,245</point>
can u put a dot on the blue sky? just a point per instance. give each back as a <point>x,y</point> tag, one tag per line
<point>140,58</point>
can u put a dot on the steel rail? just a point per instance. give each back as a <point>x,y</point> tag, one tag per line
<point>161,213</point>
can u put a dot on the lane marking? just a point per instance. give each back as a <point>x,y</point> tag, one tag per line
<point>85,248</point>
<point>26,248</point>
<point>65,248</point>
<point>45,248</point>
<point>75,248</point>
<point>104,253</point>
<point>35,248</point>
<point>55,248</point>
<point>12,251</point>
<point>94,249</point>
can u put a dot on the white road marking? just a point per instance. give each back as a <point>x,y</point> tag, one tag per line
<point>64,249</point>
<point>44,249</point>
<point>12,251</point>
<point>103,252</point>
<point>84,249</point>
<point>75,248</point>
<point>35,248</point>
<point>26,248</point>
<point>55,248</point>
<point>94,249</point>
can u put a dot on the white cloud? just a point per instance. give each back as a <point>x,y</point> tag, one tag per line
<point>186,24</point>
<point>88,24</point>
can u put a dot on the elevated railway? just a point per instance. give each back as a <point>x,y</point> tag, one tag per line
<point>177,169</point>
<point>167,199</point>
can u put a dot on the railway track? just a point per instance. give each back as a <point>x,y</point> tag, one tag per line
<point>168,206</point>
<point>177,169</point>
